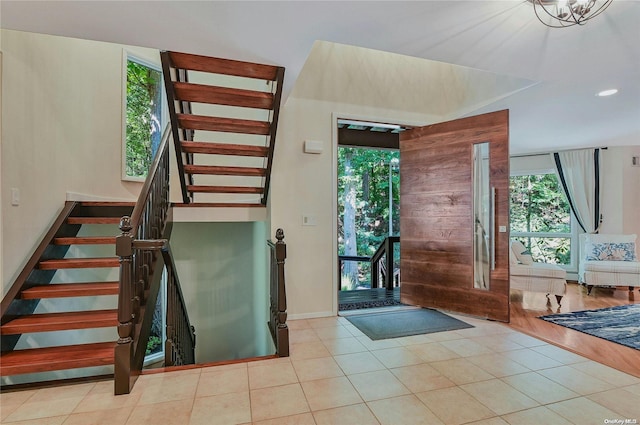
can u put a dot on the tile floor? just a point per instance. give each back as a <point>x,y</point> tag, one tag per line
<point>487,375</point>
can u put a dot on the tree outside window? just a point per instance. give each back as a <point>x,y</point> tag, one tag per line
<point>368,208</point>
<point>143,117</point>
<point>541,218</point>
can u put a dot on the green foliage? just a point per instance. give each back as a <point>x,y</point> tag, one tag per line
<point>363,207</point>
<point>538,205</point>
<point>369,176</point>
<point>143,131</point>
<point>153,344</point>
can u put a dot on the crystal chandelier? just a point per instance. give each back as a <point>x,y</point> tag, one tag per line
<point>566,13</point>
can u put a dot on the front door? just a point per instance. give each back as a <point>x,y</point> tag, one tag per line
<point>454,216</point>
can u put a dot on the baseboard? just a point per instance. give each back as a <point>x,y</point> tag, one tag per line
<point>310,315</point>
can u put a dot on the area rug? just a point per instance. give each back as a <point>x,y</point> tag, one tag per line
<point>394,324</point>
<point>620,324</point>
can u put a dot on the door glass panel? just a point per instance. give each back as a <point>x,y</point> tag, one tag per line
<point>482,217</point>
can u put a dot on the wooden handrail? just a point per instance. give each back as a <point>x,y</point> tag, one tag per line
<point>278,296</point>
<point>146,191</point>
<point>142,233</point>
<point>168,84</point>
<point>272,132</point>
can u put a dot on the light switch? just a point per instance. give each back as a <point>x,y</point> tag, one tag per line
<point>309,220</point>
<point>15,196</point>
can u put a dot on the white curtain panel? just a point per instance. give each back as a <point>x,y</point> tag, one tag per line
<point>578,172</point>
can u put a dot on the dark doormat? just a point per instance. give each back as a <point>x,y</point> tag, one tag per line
<point>395,324</point>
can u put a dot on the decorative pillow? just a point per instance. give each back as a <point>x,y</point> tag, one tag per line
<point>611,247</point>
<point>521,253</point>
<point>622,251</point>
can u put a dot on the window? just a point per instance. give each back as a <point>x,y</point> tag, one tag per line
<point>143,116</point>
<point>541,218</point>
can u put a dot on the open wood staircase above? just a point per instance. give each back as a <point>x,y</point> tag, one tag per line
<point>59,258</point>
<point>224,117</point>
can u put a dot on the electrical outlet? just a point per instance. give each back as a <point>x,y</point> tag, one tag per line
<point>15,196</point>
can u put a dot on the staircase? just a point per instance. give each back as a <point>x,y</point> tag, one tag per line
<point>224,116</point>
<point>47,295</point>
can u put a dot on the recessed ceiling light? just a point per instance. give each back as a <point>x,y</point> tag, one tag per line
<point>609,92</point>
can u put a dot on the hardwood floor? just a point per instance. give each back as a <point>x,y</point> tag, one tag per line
<point>527,306</point>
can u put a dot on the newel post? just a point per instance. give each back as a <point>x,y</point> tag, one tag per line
<point>282,328</point>
<point>124,347</point>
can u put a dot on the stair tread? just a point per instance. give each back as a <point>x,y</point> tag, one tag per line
<point>63,290</point>
<point>46,322</point>
<point>85,240</point>
<point>78,263</point>
<point>93,220</point>
<point>202,93</point>
<point>220,205</point>
<point>223,189</point>
<point>223,66</point>
<point>107,204</point>
<point>47,359</point>
<point>225,171</point>
<point>227,125</point>
<point>224,149</point>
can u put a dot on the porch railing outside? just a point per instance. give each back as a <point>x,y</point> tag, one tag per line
<point>381,261</point>
<point>278,296</point>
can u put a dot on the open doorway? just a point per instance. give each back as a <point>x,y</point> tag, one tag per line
<point>368,214</point>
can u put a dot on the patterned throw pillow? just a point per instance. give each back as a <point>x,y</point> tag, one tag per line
<point>619,251</point>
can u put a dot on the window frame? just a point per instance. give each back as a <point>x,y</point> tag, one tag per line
<point>573,224</point>
<point>156,65</point>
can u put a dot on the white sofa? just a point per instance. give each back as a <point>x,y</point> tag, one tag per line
<point>609,260</point>
<point>527,275</point>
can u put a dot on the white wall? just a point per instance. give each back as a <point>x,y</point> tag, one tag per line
<point>62,113</point>
<point>306,184</point>
<point>621,191</point>
<point>1,256</point>
<point>223,272</point>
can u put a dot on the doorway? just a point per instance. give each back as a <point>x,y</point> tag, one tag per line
<point>368,211</point>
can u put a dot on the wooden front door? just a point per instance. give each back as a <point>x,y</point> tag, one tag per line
<point>437,219</point>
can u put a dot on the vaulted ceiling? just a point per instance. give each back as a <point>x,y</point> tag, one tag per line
<point>548,78</point>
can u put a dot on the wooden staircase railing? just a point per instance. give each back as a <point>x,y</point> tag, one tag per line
<point>205,178</point>
<point>143,234</point>
<point>181,336</point>
<point>278,296</point>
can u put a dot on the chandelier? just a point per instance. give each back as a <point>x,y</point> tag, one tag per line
<point>566,13</point>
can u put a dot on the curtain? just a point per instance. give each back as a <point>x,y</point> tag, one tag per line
<point>578,172</point>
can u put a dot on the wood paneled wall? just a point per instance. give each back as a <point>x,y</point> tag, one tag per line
<point>436,217</point>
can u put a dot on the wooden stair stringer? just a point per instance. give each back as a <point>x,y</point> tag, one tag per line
<point>238,98</point>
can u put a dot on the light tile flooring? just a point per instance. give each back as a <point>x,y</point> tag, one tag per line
<point>486,375</point>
